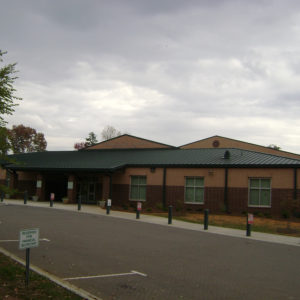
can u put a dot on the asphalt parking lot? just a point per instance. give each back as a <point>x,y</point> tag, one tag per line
<point>115,258</point>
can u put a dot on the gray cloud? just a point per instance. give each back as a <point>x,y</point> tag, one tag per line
<point>172,71</point>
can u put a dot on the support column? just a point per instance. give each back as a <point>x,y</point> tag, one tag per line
<point>72,189</point>
<point>295,183</point>
<point>106,187</point>
<point>40,187</point>
<point>164,188</point>
<point>226,191</point>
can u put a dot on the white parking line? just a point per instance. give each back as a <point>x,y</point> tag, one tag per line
<point>6,241</point>
<point>107,275</point>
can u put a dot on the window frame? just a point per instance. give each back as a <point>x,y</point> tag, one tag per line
<point>138,185</point>
<point>202,187</point>
<point>259,189</point>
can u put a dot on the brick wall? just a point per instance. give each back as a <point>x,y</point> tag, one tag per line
<point>213,199</point>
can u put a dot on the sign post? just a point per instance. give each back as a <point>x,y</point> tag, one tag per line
<point>29,238</point>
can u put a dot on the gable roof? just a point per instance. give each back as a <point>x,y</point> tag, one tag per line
<point>217,141</point>
<point>127,141</point>
<point>111,160</point>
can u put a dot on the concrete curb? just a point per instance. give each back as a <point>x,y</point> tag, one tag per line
<point>78,291</point>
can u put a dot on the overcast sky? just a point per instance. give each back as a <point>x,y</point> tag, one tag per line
<point>172,71</point>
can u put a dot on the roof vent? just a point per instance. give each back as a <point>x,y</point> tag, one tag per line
<point>226,154</point>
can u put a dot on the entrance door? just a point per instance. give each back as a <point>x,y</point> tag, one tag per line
<point>86,190</point>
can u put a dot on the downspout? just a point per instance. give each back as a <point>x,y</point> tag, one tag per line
<point>226,191</point>
<point>110,186</point>
<point>295,183</point>
<point>164,188</point>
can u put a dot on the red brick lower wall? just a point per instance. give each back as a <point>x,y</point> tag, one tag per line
<point>21,186</point>
<point>120,196</point>
<point>213,199</point>
<point>281,199</point>
<point>25,185</point>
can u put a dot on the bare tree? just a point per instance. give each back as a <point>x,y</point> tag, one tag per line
<point>110,132</point>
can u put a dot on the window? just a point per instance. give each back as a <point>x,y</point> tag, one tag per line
<point>260,192</point>
<point>138,188</point>
<point>194,190</point>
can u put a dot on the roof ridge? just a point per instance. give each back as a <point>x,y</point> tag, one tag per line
<point>133,136</point>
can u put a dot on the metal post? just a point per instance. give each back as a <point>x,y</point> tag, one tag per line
<point>108,205</point>
<point>25,197</point>
<point>2,196</point>
<point>137,214</point>
<point>248,230</point>
<point>170,214</point>
<point>51,202</point>
<point>206,211</point>
<point>27,267</point>
<point>79,202</point>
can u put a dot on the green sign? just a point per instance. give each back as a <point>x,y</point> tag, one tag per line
<point>29,238</point>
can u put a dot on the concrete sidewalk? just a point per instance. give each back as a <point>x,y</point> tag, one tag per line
<point>91,209</point>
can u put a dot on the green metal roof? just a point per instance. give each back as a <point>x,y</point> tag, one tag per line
<point>110,160</point>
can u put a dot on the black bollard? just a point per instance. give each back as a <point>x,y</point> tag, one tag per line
<point>25,197</point>
<point>248,226</point>
<point>170,214</point>
<point>52,196</point>
<point>206,211</point>
<point>108,205</point>
<point>138,209</point>
<point>79,202</point>
<point>2,196</point>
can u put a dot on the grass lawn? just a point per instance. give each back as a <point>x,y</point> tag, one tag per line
<point>289,227</point>
<point>12,284</point>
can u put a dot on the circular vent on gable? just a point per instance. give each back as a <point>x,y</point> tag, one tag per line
<point>216,143</point>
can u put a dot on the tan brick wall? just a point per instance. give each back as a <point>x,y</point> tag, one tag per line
<point>212,177</point>
<point>230,143</point>
<point>125,142</point>
<point>280,178</point>
<point>153,178</point>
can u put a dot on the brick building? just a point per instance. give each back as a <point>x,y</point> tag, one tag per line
<point>216,173</point>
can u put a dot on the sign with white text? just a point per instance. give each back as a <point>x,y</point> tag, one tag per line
<point>139,206</point>
<point>250,218</point>
<point>29,238</point>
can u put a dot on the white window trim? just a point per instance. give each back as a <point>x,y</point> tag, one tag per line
<point>203,187</point>
<point>249,189</point>
<point>137,200</point>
